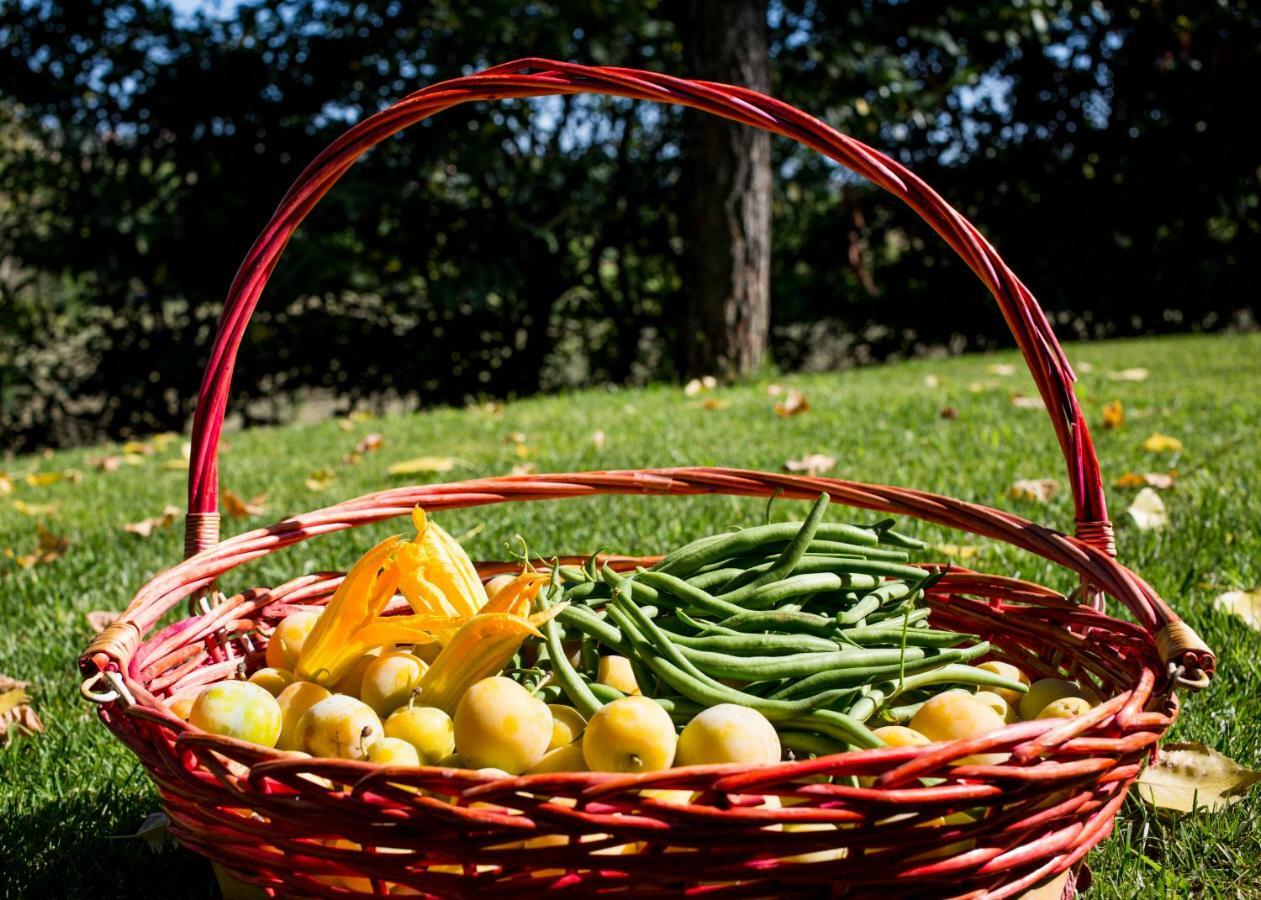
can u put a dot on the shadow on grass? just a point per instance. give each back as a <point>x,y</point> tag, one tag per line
<point>66,848</point>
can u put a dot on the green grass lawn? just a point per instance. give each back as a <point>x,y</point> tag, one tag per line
<point>66,795</point>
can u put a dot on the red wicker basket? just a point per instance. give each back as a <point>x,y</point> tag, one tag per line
<point>314,827</point>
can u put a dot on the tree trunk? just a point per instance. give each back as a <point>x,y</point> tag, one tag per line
<point>727,226</point>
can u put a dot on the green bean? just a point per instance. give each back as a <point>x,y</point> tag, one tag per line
<point>840,548</point>
<point>714,578</point>
<point>673,669</point>
<point>584,591</point>
<point>915,637</point>
<point>769,644</point>
<point>788,559</point>
<point>691,559</point>
<point>896,539</point>
<point>589,623</point>
<point>575,688</point>
<point>605,693</point>
<point>691,548</point>
<point>806,743</point>
<point>686,594</point>
<point>858,612</point>
<point>589,654</point>
<point>809,565</point>
<point>901,714</point>
<point>829,679</point>
<point>891,617</point>
<point>703,626</point>
<point>635,586</point>
<point>958,674</point>
<point>779,620</point>
<point>573,574</point>
<point>867,705</point>
<point>798,586</point>
<point>838,726</point>
<point>762,668</point>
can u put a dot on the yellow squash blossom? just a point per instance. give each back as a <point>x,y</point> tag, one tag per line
<point>438,577</point>
<point>351,624</point>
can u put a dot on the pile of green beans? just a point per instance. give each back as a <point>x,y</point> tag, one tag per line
<point>816,625</point>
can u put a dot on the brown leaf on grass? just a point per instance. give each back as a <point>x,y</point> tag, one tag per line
<point>1113,414</point>
<point>712,403</point>
<point>949,413</point>
<point>155,831</point>
<point>425,465</point>
<point>320,479</point>
<point>1161,443</point>
<point>100,619</point>
<point>238,508</point>
<point>1136,374</point>
<point>139,448</point>
<point>345,425</point>
<point>1051,889</point>
<point>1039,490</point>
<point>523,469</point>
<point>369,443</point>
<point>1159,480</point>
<point>794,403</point>
<point>514,437</point>
<point>6,484</point>
<point>1148,511</point>
<point>1191,776</point>
<point>35,509</point>
<point>145,527</point>
<point>774,390</point>
<point>1020,401</point>
<point>932,381</point>
<point>106,463</point>
<point>1244,604</point>
<point>1003,369</point>
<point>50,548</point>
<point>811,464</point>
<point>17,717</point>
<point>598,438</point>
<point>175,465</point>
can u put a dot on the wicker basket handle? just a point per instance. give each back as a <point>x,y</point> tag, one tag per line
<point>540,77</point>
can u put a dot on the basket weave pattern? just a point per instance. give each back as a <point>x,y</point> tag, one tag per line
<point>313,827</point>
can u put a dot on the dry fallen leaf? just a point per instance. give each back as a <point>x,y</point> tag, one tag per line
<point>146,527</point>
<point>711,403</point>
<point>100,619</point>
<point>369,442</point>
<point>1038,489</point>
<point>811,464</point>
<point>514,437</point>
<point>1084,367</point>
<point>1129,375</point>
<point>1159,480</point>
<point>154,831</point>
<point>1186,777</point>
<point>6,484</point>
<point>949,413</point>
<point>106,463</point>
<point>1244,604</point>
<point>774,390</point>
<point>522,450</point>
<point>962,551</point>
<point>139,448</point>
<point>1148,510</point>
<point>175,465</point>
<point>238,508</point>
<point>1161,443</point>
<point>49,549</point>
<point>523,469</point>
<point>1113,414</point>
<point>16,714</point>
<point>424,465</point>
<point>598,438</point>
<point>320,479</point>
<point>1004,369</point>
<point>1020,401</point>
<point>35,509</point>
<point>42,479</point>
<point>931,381</point>
<point>794,403</point>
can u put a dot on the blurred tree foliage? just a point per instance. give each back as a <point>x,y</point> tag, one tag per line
<point>498,250</point>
